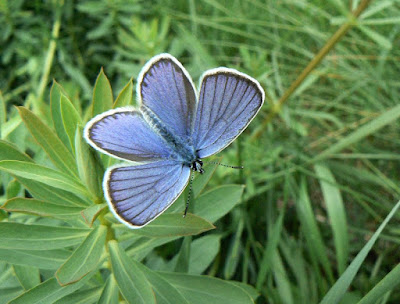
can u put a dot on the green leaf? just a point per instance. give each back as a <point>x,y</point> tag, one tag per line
<point>81,297</point>
<point>55,98</point>
<point>174,224</point>
<point>10,126</point>
<point>125,96</point>
<point>41,208</point>
<point>336,213</point>
<point>311,231</point>
<point>9,293</point>
<point>28,276</point>
<point>204,289</point>
<point>251,291</point>
<point>38,237</point>
<point>46,259</point>
<point>84,259</point>
<point>217,202</point>
<point>3,113</point>
<point>233,255</point>
<point>342,284</point>
<point>201,180</point>
<point>51,144</point>
<point>271,246</point>
<point>385,286</point>
<point>52,195</point>
<point>183,256</point>
<point>165,292</point>
<point>381,40</point>
<point>48,292</point>
<point>90,171</point>
<point>90,214</point>
<point>102,95</point>
<point>110,292</point>
<point>70,119</point>
<point>10,152</point>
<point>369,128</point>
<point>131,281</point>
<point>44,175</point>
<point>203,251</point>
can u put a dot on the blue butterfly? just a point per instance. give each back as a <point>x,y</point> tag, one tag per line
<point>169,134</point>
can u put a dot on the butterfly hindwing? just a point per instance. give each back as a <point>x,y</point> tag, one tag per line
<point>228,101</point>
<point>139,194</point>
<point>166,88</point>
<point>124,133</point>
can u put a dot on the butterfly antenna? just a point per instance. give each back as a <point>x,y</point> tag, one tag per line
<point>189,194</point>
<point>228,166</point>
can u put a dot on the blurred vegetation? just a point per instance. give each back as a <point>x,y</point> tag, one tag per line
<point>321,174</point>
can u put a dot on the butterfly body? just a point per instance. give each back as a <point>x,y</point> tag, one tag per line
<point>183,150</point>
<point>168,136</point>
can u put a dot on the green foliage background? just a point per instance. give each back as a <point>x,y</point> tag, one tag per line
<point>316,220</point>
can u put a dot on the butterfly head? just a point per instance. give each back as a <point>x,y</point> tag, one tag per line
<point>197,165</point>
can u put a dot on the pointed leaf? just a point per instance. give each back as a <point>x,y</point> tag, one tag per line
<point>55,96</point>
<point>337,215</point>
<point>70,119</point>
<point>81,296</point>
<point>131,281</point>
<point>102,95</point>
<point>84,259</point>
<point>165,292</point>
<point>337,291</point>
<point>311,231</point>
<point>201,180</point>
<point>203,251</point>
<point>41,208</point>
<point>46,259</point>
<point>174,224</point>
<point>90,170</point>
<point>43,174</point>
<point>125,96</point>
<point>52,195</point>
<point>28,276</point>
<point>385,286</point>
<point>110,292</point>
<point>39,237</point>
<point>3,113</point>
<point>48,292</point>
<point>369,128</point>
<point>217,202</point>
<point>204,289</point>
<point>9,151</point>
<point>90,214</point>
<point>51,144</point>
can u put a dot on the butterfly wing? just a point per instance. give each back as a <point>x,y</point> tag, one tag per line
<point>165,87</point>
<point>139,194</point>
<point>123,133</point>
<point>228,101</point>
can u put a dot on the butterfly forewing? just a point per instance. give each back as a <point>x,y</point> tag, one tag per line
<point>124,133</point>
<point>168,91</point>
<point>138,194</point>
<point>228,101</point>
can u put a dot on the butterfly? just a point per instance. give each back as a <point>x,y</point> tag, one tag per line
<point>170,133</point>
